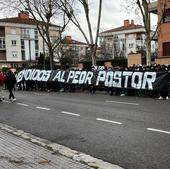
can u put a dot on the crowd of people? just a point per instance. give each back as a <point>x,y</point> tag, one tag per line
<point>9,81</point>
<point>65,87</point>
<point>161,94</point>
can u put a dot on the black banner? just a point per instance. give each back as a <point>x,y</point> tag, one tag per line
<point>118,79</point>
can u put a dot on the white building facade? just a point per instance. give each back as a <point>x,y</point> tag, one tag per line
<point>20,41</point>
<point>119,42</point>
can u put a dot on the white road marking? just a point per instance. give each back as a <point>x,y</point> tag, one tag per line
<point>108,121</point>
<point>43,108</point>
<point>135,104</point>
<point>157,130</point>
<point>6,101</point>
<point>21,104</point>
<point>73,114</point>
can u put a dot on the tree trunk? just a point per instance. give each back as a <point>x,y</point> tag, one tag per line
<point>148,51</point>
<point>51,58</point>
<point>143,6</point>
<point>97,33</point>
<point>92,48</point>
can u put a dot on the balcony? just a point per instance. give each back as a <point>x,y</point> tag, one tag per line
<point>2,47</point>
<point>153,7</point>
<point>25,36</point>
<point>2,44</point>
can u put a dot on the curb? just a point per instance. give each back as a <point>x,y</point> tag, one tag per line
<point>60,149</point>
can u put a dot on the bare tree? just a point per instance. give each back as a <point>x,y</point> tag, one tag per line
<point>71,14</point>
<point>143,7</point>
<point>43,12</point>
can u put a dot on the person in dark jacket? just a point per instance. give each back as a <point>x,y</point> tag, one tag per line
<point>10,81</point>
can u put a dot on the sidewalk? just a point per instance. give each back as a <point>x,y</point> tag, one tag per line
<point>20,150</point>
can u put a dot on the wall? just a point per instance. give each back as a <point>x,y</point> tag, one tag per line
<point>163,61</point>
<point>10,48</point>
<point>130,39</point>
<point>164,30</point>
<point>2,55</point>
<point>134,59</point>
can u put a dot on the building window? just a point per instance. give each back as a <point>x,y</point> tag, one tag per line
<point>75,48</point>
<point>36,55</point>
<point>36,45</point>
<point>166,49</point>
<point>131,45</point>
<point>2,42</point>
<point>14,54</point>
<point>166,16</point>
<point>14,42</point>
<point>22,44</point>
<point>110,39</point>
<point>25,33</point>
<point>139,37</point>
<point>36,34</point>
<point>23,55</point>
<point>115,38</point>
<point>14,65</point>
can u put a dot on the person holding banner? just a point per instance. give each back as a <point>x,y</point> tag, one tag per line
<point>164,90</point>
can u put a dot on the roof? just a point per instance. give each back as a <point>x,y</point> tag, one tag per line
<point>123,28</point>
<point>73,42</point>
<point>19,20</point>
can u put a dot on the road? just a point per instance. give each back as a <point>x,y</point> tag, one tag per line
<point>132,132</point>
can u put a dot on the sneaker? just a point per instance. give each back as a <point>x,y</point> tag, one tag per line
<point>160,98</point>
<point>167,98</point>
<point>62,90</point>
<point>122,94</point>
<point>13,99</point>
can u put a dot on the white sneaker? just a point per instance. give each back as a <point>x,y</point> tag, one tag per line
<point>14,99</point>
<point>122,95</point>
<point>160,98</point>
<point>167,98</point>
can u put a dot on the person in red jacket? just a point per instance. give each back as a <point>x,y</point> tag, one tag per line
<point>2,81</point>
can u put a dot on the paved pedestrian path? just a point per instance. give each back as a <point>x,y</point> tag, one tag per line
<point>21,150</point>
<point>17,153</point>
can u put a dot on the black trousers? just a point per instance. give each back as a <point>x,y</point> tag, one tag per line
<point>11,95</point>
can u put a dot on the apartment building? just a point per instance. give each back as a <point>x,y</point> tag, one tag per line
<point>162,9</point>
<point>120,41</point>
<point>77,49</point>
<point>20,41</point>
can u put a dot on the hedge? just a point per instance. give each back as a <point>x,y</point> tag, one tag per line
<point>115,62</point>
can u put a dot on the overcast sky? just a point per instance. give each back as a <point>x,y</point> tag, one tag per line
<point>113,15</point>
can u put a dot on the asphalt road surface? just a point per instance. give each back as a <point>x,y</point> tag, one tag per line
<point>132,132</point>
